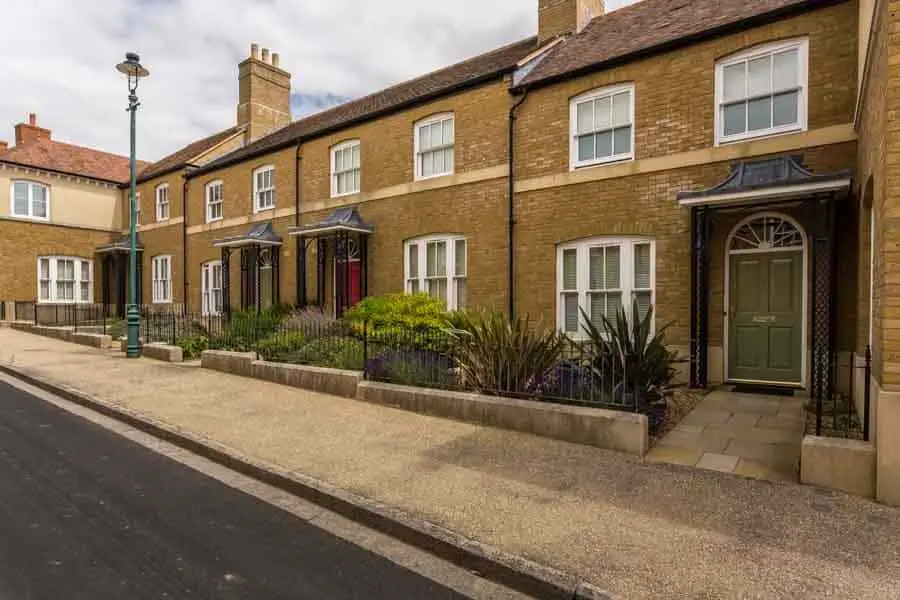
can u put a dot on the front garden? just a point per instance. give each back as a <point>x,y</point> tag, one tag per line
<point>621,364</point>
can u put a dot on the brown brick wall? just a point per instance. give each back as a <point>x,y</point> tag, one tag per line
<point>476,211</point>
<point>166,240</point>
<point>22,242</point>
<point>147,191</point>
<point>641,205</point>
<point>674,92</point>
<point>237,187</point>
<point>386,145</point>
<point>873,193</point>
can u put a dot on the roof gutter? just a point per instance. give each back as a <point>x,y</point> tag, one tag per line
<point>668,46</point>
<point>58,172</point>
<point>471,83</point>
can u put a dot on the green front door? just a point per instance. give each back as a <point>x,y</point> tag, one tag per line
<point>765,342</point>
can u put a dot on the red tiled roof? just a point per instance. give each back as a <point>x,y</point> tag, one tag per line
<point>183,157</point>
<point>70,159</point>
<point>469,72</point>
<point>654,24</point>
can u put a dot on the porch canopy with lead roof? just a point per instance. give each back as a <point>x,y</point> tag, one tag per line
<point>113,258</point>
<point>348,235</point>
<point>260,250</point>
<point>769,183</point>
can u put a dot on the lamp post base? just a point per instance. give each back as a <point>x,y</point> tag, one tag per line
<point>133,323</point>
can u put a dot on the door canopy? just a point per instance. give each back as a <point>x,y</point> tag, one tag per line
<point>766,232</point>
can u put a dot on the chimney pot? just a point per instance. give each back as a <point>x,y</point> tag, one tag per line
<point>254,51</point>
<point>265,55</point>
<point>276,59</point>
<point>32,119</point>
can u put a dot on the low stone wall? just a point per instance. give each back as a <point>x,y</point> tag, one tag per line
<point>236,363</point>
<point>95,340</point>
<point>319,379</point>
<point>838,464</point>
<point>613,430</point>
<point>163,352</point>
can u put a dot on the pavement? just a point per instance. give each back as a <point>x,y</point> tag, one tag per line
<point>89,515</point>
<point>638,529</point>
<point>754,435</point>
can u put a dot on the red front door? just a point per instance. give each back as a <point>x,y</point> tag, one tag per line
<point>347,289</point>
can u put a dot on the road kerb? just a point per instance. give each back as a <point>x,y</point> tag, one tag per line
<point>507,569</point>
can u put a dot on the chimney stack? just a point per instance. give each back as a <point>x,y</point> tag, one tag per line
<point>264,94</point>
<point>27,133</point>
<point>563,17</point>
<point>3,145</point>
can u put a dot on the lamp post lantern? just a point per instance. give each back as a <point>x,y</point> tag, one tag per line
<point>132,69</point>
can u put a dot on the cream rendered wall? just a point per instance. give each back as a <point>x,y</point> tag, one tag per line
<point>74,201</point>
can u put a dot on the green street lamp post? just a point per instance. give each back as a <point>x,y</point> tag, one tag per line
<point>134,71</point>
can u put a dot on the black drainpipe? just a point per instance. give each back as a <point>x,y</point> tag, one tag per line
<point>301,243</point>
<point>184,240</point>
<point>510,196</point>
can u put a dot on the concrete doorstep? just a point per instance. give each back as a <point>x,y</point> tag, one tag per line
<point>506,569</point>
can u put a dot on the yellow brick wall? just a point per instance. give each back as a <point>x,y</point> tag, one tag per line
<point>22,242</point>
<point>674,92</point>
<point>871,178</point>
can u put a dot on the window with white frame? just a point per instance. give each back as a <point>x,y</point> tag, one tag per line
<point>602,123</point>
<point>264,188</point>
<point>65,280</point>
<point>213,201</point>
<point>345,168</point>
<point>435,138</point>
<point>437,265</point>
<point>137,209</point>
<point>162,279</point>
<point>601,276</point>
<point>212,287</point>
<point>762,91</point>
<point>29,199</point>
<point>162,202</point>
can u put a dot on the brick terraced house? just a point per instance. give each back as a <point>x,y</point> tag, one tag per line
<point>728,162</point>
<point>64,211</point>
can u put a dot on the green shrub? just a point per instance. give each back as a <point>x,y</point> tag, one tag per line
<point>332,352</point>
<point>280,347</point>
<point>193,346</point>
<point>496,354</point>
<point>407,312</point>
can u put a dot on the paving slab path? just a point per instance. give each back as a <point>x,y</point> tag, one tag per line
<point>640,530</point>
<point>747,434</point>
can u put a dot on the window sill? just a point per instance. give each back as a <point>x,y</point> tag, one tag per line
<point>161,302</point>
<point>216,220</point>
<point>257,210</point>
<point>604,162</point>
<point>30,218</point>
<point>759,135</point>
<point>345,194</point>
<point>430,177</point>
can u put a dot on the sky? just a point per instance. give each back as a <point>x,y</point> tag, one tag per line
<point>60,57</point>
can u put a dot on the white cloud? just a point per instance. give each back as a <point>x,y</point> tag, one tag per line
<point>60,57</point>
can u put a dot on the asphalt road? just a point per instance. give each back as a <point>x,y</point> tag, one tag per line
<point>88,515</point>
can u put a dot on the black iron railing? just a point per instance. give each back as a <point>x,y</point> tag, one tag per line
<point>845,411</point>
